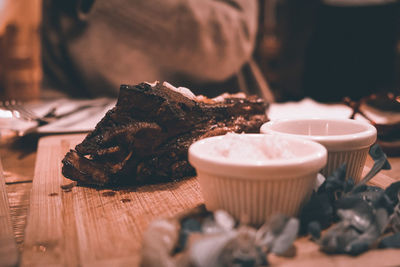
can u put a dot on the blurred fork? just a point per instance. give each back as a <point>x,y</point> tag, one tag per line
<point>20,111</point>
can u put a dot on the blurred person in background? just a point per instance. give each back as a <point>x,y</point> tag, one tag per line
<point>90,47</point>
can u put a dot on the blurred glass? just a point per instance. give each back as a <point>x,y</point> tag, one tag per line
<point>20,60</point>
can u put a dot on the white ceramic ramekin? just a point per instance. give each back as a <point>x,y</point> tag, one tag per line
<point>346,140</point>
<point>257,189</point>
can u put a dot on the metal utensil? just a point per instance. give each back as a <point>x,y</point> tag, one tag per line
<point>20,111</point>
<point>58,110</point>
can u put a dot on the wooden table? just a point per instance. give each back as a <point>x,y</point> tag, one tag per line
<point>19,161</point>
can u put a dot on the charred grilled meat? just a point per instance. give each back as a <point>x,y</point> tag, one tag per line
<point>145,137</point>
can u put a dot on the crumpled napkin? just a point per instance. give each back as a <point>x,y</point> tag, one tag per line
<point>308,108</point>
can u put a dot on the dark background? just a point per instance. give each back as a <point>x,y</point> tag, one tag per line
<point>328,52</point>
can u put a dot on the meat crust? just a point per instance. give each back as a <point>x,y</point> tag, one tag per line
<point>145,137</point>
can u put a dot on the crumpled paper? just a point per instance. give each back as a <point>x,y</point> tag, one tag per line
<point>308,108</point>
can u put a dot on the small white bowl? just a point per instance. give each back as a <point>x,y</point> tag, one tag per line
<point>256,188</point>
<point>346,140</point>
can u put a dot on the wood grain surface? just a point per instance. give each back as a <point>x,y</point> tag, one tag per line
<point>8,247</point>
<point>92,227</point>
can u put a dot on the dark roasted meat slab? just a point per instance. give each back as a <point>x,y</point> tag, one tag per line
<point>145,137</point>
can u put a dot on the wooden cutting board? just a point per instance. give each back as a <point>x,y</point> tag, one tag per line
<point>91,227</point>
<point>8,247</point>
